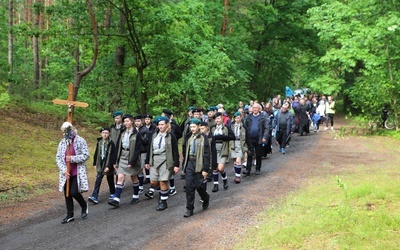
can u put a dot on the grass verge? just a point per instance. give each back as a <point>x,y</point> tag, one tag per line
<point>356,210</point>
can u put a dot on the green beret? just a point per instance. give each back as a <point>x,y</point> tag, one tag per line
<point>237,114</point>
<point>117,113</point>
<point>161,118</point>
<point>209,109</point>
<point>155,120</point>
<point>190,108</point>
<point>195,121</point>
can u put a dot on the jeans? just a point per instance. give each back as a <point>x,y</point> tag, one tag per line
<point>99,178</point>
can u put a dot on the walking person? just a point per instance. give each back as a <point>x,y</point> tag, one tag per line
<point>283,126</point>
<point>330,111</point>
<point>148,122</point>
<point>73,151</point>
<point>258,126</point>
<point>222,135</point>
<point>103,162</point>
<point>162,160</point>
<point>196,166</point>
<point>321,112</point>
<point>239,145</point>
<point>128,162</point>
<point>303,114</point>
<point>117,127</point>
<point>145,135</point>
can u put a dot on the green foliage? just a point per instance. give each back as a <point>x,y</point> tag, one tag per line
<point>174,54</point>
<point>4,96</point>
<point>361,56</point>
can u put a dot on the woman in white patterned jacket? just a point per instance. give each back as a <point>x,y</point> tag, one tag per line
<point>78,181</point>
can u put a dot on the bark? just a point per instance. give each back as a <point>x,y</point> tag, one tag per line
<point>393,93</point>
<point>119,63</point>
<point>107,18</point>
<point>35,46</point>
<point>225,18</point>
<point>10,36</point>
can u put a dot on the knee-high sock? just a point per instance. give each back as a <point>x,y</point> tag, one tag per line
<point>118,191</point>
<point>164,195</point>
<point>215,176</point>
<point>172,183</point>
<point>141,179</point>
<point>135,190</point>
<point>238,170</point>
<point>147,173</point>
<point>223,175</point>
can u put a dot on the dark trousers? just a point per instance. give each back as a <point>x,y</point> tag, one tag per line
<point>304,127</point>
<point>73,193</point>
<point>97,184</point>
<point>281,137</point>
<point>194,181</point>
<point>258,150</point>
<point>330,118</point>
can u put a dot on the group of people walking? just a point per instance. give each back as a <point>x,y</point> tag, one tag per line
<point>146,150</point>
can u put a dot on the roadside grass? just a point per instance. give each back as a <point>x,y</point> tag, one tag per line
<point>27,155</point>
<point>356,210</point>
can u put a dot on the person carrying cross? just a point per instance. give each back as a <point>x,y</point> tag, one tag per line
<point>73,151</point>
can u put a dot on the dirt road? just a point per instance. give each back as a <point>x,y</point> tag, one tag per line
<point>140,226</point>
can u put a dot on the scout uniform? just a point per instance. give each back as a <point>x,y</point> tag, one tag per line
<point>196,163</point>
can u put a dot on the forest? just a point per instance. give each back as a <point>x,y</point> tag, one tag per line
<point>143,56</point>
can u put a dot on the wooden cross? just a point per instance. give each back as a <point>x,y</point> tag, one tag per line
<point>70,102</point>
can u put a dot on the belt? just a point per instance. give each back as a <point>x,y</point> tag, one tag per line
<point>219,141</point>
<point>192,157</point>
<point>126,149</point>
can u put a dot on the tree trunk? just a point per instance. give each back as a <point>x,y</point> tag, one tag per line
<point>79,75</point>
<point>140,55</point>
<point>10,36</point>
<point>225,18</point>
<point>119,63</point>
<point>35,45</point>
<point>393,94</point>
<point>107,18</point>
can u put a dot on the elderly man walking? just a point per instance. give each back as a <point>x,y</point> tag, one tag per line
<point>258,126</point>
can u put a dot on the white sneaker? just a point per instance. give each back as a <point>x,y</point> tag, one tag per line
<point>326,128</point>
<point>331,128</point>
<point>244,164</point>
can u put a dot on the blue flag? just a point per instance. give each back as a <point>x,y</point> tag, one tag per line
<point>289,92</point>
